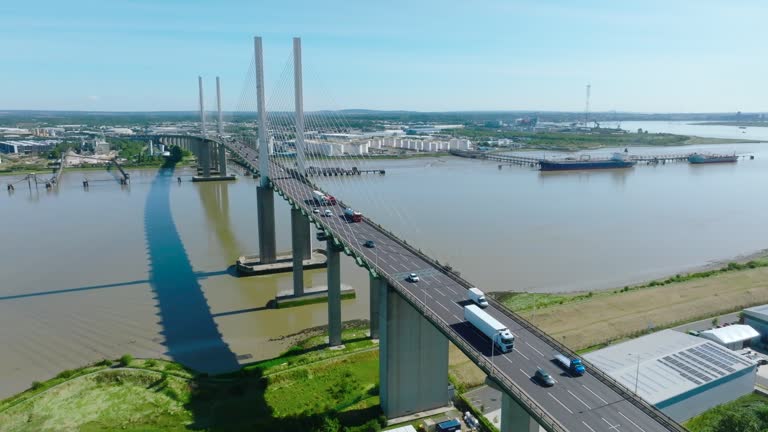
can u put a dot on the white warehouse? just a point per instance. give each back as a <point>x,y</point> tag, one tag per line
<point>680,374</point>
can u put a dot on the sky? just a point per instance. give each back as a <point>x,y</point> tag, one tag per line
<point>426,55</point>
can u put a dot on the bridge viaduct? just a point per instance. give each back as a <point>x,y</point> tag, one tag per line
<point>414,322</point>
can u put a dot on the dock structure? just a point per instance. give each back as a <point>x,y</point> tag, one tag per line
<point>534,162</point>
<point>314,171</point>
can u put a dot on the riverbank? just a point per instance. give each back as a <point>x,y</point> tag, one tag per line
<point>591,140</point>
<point>306,388</point>
<point>593,319</point>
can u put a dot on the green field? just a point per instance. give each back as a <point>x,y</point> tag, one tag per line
<point>746,414</point>
<point>308,388</point>
<point>574,141</point>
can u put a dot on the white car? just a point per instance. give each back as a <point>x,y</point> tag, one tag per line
<point>316,211</point>
<point>413,277</point>
<point>328,213</point>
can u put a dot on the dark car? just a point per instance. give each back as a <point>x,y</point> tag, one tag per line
<point>544,378</point>
<point>370,244</point>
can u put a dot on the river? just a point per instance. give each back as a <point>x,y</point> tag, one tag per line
<point>147,269</point>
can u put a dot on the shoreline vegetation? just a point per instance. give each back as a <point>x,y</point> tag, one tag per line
<point>309,387</point>
<point>733,123</point>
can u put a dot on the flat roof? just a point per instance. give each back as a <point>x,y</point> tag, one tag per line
<point>760,312</point>
<point>731,334</point>
<point>406,428</point>
<point>670,363</point>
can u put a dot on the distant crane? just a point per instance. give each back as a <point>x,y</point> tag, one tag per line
<point>586,109</point>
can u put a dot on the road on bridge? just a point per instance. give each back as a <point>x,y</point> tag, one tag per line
<point>578,404</point>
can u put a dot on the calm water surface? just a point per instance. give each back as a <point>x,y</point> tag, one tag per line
<point>146,269</point>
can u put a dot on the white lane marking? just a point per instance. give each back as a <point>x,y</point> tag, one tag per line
<point>457,318</point>
<point>631,421</point>
<point>561,404</point>
<point>578,399</point>
<point>525,373</point>
<point>612,427</point>
<point>588,426</point>
<point>524,356</point>
<point>441,292</point>
<point>441,305</point>
<point>604,401</point>
<point>427,294</point>
<point>534,349</point>
<point>450,289</point>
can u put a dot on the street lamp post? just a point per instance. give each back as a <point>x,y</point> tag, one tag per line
<point>637,373</point>
<point>493,343</point>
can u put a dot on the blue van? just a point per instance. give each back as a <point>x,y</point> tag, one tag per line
<point>449,426</point>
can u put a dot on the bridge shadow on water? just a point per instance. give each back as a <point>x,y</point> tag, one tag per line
<point>235,398</point>
<point>190,333</point>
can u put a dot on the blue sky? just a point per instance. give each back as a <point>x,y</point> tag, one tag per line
<point>427,55</point>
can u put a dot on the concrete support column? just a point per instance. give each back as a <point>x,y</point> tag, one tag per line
<point>334,295</point>
<point>413,359</point>
<point>298,233</point>
<point>377,285</point>
<point>514,418</point>
<point>213,150</point>
<point>265,205</point>
<point>307,249</point>
<point>222,160</point>
<point>205,158</point>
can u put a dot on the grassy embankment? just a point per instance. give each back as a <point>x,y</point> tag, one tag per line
<point>574,141</point>
<point>590,320</point>
<point>307,388</point>
<point>746,414</point>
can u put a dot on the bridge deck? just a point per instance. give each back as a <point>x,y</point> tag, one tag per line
<point>589,403</point>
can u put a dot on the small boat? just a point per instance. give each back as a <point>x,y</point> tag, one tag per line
<point>700,158</point>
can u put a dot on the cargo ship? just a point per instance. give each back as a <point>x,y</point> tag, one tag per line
<point>698,158</point>
<point>618,160</point>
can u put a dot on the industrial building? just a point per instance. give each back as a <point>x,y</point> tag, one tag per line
<point>26,147</point>
<point>757,318</point>
<point>680,374</point>
<point>733,337</point>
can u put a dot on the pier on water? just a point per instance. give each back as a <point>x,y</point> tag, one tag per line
<point>313,171</point>
<point>534,162</point>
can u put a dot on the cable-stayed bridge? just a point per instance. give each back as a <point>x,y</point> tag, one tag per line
<point>414,321</point>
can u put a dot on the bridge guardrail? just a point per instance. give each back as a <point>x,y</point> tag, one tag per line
<point>529,404</point>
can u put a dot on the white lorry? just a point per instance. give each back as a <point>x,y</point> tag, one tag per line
<point>490,327</point>
<point>477,297</point>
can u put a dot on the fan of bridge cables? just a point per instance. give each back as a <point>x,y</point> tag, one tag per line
<point>328,145</point>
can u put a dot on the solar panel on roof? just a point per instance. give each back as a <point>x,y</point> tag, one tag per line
<point>691,355</point>
<point>668,361</point>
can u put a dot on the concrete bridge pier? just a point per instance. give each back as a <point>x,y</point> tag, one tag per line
<point>204,157</point>
<point>334,295</point>
<point>299,231</point>
<point>514,418</point>
<point>212,159</point>
<point>377,285</point>
<point>413,359</point>
<point>265,206</point>
<point>222,161</point>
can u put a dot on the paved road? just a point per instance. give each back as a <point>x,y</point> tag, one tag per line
<point>706,324</point>
<point>578,404</point>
